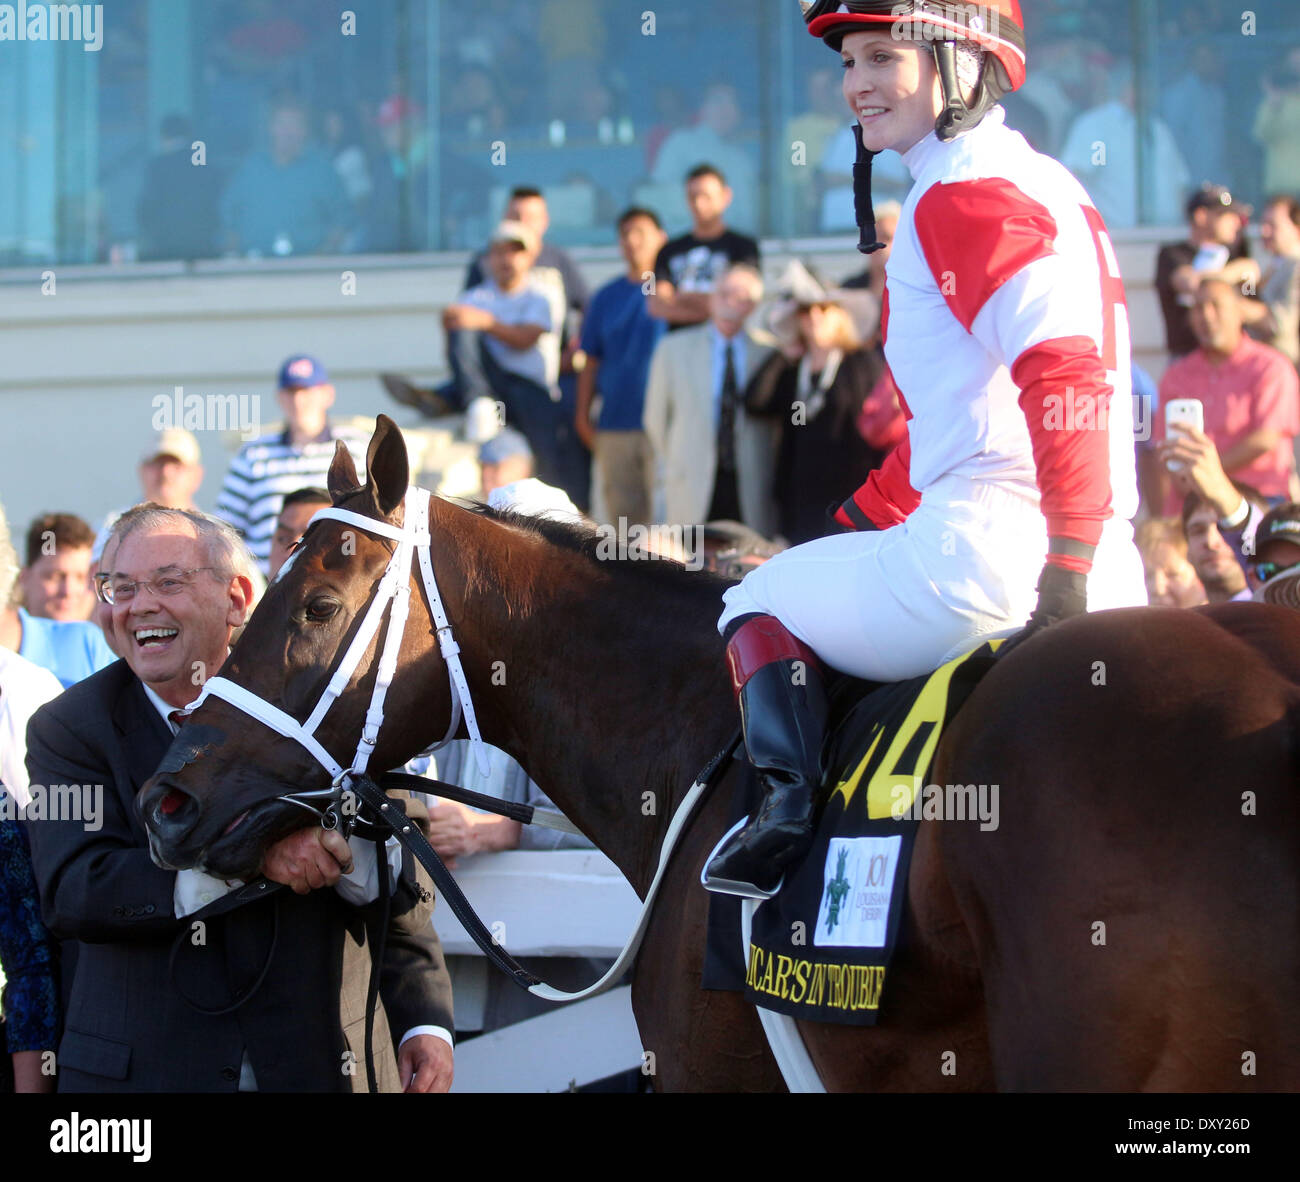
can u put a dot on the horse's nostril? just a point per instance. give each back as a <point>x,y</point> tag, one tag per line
<point>171,802</point>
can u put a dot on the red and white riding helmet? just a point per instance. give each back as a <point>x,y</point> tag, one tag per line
<point>996,26</point>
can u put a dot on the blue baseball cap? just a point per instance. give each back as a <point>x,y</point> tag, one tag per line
<point>301,371</point>
<point>504,445</point>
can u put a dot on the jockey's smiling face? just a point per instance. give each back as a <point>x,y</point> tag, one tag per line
<point>892,87</point>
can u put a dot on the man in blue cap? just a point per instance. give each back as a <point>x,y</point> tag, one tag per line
<point>273,465</point>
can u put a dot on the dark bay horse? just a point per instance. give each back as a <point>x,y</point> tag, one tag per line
<point>1131,923</point>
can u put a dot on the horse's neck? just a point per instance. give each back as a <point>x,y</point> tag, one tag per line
<point>612,725</point>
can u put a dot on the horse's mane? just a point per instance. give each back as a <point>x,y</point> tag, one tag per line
<point>663,574</point>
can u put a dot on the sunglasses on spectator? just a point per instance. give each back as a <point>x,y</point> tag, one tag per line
<point>1266,570</point>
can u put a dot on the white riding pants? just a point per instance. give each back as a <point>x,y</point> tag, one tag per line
<point>900,602</point>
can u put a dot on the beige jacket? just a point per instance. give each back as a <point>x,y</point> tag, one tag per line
<point>680,425</point>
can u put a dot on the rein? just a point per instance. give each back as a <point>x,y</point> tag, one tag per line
<point>372,795</point>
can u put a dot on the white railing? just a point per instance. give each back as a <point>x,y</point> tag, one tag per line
<point>561,903</point>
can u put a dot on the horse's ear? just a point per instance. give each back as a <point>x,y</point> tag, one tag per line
<point>388,471</point>
<point>342,478</point>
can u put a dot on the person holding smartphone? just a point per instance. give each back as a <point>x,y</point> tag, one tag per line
<point>1007,335</point>
<point>1199,479</point>
<point>1249,394</point>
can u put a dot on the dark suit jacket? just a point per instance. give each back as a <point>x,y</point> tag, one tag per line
<point>127,1028</point>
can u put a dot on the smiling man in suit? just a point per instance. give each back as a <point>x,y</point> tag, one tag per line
<point>713,461</point>
<point>178,582</point>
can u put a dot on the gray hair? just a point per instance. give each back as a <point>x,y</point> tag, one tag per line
<point>750,272</point>
<point>225,547</point>
<point>8,561</point>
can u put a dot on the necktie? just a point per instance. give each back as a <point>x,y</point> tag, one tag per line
<point>176,717</point>
<point>725,502</point>
<point>727,417</point>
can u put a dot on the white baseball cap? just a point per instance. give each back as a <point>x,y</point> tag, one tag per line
<point>174,441</point>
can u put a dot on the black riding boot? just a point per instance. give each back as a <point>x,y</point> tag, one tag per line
<point>783,712</point>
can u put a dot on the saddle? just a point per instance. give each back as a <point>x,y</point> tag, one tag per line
<point>821,947</point>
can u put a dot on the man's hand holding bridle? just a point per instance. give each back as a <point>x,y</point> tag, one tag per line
<point>308,860</point>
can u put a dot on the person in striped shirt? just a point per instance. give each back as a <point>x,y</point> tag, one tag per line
<point>274,465</point>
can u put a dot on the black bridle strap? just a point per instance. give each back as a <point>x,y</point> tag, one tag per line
<point>525,814</point>
<point>385,813</point>
<point>377,962</point>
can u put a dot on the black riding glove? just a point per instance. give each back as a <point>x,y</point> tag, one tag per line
<point>1061,594</point>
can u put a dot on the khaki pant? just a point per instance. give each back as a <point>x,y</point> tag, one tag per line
<point>625,470</point>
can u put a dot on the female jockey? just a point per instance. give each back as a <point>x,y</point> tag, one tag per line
<point>1007,334</point>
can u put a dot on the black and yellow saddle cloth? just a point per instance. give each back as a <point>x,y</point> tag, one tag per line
<point>821,948</point>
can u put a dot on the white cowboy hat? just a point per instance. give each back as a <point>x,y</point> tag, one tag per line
<point>800,287</point>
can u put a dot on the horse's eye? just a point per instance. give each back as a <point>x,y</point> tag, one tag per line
<point>321,609</point>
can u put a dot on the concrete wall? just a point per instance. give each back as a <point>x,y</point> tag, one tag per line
<point>87,351</point>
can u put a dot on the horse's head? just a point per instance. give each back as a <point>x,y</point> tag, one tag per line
<point>218,799</point>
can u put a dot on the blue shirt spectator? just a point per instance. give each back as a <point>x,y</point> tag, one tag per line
<point>621,334</point>
<point>70,649</point>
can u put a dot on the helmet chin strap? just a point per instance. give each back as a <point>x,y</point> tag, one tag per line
<point>957,116</point>
<point>864,212</point>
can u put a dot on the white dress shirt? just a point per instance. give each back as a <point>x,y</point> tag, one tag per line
<point>720,344</point>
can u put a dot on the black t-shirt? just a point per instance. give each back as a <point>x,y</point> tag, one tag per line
<point>696,264</point>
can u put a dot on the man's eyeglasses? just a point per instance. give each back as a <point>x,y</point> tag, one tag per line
<point>109,589</point>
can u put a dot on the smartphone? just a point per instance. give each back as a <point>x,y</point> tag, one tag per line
<point>1188,412</point>
<point>1213,257</point>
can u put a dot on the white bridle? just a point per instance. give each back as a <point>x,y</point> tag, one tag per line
<point>413,542</point>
